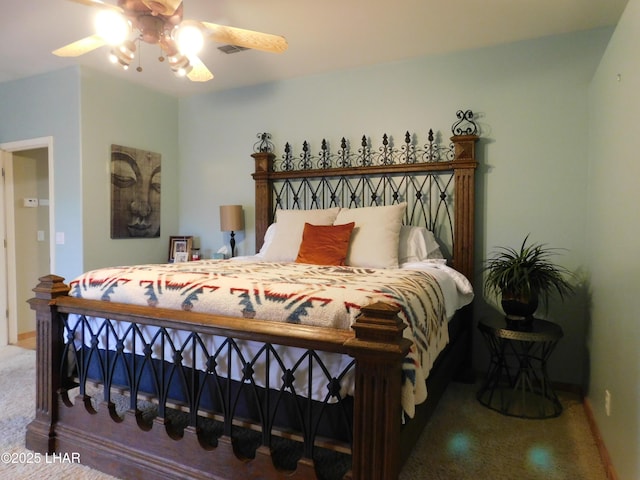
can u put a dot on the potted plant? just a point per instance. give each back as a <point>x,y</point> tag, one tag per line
<point>524,276</point>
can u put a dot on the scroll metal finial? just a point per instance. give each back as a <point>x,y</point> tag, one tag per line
<point>264,143</point>
<point>465,124</point>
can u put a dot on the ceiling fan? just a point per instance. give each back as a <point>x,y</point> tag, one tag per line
<point>161,22</point>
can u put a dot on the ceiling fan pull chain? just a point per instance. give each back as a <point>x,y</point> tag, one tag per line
<point>139,69</point>
<point>161,57</point>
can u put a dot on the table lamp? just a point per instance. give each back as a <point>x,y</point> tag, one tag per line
<point>231,220</point>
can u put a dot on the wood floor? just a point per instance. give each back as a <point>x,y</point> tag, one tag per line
<point>27,340</point>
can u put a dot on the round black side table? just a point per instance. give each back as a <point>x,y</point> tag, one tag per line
<point>517,383</point>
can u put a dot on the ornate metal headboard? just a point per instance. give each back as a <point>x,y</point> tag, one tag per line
<point>436,181</point>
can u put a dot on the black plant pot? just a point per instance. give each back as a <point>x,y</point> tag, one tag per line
<point>519,314</point>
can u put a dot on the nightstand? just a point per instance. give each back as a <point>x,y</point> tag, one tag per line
<point>517,383</point>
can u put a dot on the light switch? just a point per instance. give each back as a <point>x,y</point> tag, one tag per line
<point>41,235</point>
<point>60,238</point>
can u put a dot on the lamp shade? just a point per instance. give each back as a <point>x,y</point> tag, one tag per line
<point>231,218</point>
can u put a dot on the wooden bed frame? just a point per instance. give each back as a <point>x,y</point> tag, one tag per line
<point>126,448</point>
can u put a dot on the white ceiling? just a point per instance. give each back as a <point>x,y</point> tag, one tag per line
<point>323,35</point>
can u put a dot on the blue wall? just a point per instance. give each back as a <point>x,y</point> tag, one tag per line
<point>531,102</point>
<point>530,98</point>
<point>612,231</point>
<point>85,113</point>
<point>116,112</point>
<point>49,105</point>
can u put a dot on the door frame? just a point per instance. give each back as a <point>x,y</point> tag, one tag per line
<point>9,321</point>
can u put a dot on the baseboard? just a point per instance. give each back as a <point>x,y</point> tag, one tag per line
<point>568,387</point>
<point>26,335</point>
<point>604,453</point>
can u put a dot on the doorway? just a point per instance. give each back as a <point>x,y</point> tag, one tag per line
<point>27,198</point>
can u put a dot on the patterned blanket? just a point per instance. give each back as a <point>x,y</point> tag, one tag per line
<point>329,296</point>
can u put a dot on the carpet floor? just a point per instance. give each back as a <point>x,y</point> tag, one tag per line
<point>464,440</point>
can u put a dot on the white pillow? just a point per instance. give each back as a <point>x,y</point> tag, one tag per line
<point>433,247</point>
<point>268,239</point>
<point>374,241</point>
<point>287,234</point>
<point>417,244</point>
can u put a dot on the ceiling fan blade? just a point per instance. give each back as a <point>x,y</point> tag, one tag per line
<point>200,72</point>
<point>80,47</point>
<point>98,3</point>
<point>246,38</point>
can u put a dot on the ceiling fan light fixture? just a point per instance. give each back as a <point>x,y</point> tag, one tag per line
<point>184,71</point>
<point>112,27</point>
<point>123,54</point>
<point>188,37</point>
<point>180,64</point>
<point>127,48</point>
<point>160,22</point>
<point>162,7</point>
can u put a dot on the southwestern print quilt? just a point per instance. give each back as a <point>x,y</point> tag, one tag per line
<point>329,296</point>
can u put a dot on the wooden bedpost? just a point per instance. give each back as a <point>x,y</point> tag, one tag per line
<point>40,435</point>
<point>464,165</point>
<point>379,349</point>
<point>264,199</point>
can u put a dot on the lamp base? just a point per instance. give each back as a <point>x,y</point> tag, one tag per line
<point>232,242</point>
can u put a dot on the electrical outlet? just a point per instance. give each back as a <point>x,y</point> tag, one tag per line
<point>607,403</point>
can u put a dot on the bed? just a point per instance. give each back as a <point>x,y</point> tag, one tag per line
<point>322,356</point>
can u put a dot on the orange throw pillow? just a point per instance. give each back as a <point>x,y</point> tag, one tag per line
<point>325,244</point>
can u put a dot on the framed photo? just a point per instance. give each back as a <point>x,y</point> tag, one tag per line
<point>181,257</point>
<point>180,248</point>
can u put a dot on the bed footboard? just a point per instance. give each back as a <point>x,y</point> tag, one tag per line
<point>128,447</point>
